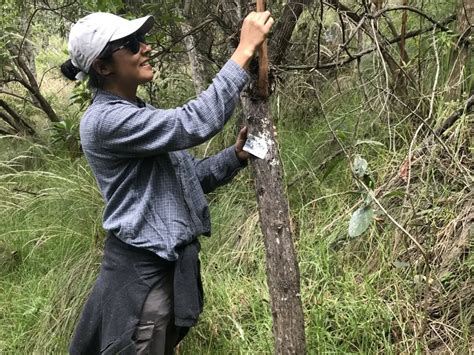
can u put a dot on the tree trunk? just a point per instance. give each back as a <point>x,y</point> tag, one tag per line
<point>281,262</point>
<point>24,72</point>
<point>284,29</point>
<point>27,47</point>
<point>283,276</point>
<point>190,42</point>
<point>196,68</point>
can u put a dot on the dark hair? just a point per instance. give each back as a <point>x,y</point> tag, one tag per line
<point>96,81</point>
<point>69,70</point>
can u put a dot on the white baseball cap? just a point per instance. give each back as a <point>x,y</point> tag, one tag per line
<point>89,36</point>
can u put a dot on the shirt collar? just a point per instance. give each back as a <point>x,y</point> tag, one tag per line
<point>102,95</point>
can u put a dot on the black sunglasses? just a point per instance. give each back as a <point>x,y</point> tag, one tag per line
<point>133,44</point>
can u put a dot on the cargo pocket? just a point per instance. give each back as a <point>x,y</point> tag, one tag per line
<point>142,337</point>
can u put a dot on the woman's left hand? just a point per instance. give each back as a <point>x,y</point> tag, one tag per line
<point>239,145</point>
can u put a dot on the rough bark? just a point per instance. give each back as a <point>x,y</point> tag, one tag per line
<point>10,122</point>
<point>284,29</point>
<point>283,276</point>
<point>281,261</point>
<point>232,13</point>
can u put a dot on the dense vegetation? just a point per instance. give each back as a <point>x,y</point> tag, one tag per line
<point>358,136</point>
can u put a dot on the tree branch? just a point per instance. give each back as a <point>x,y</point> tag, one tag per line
<point>5,132</point>
<point>33,15</point>
<point>191,31</point>
<point>378,39</point>
<point>15,120</point>
<point>467,108</point>
<point>396,39</point>
<point>412,9</point>
<point>34,89</point>
<point>17,96</point>
<point>9,120</point>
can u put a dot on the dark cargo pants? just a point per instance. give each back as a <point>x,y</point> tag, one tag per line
<point>130,310</point>
<point>156,333</point>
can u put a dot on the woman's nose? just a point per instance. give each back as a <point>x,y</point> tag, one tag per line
<point>145,48</point>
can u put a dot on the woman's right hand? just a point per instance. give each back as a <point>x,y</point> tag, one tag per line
<point>254,30</point>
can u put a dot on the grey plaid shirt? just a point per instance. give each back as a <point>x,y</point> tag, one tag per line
<point>152,187</point>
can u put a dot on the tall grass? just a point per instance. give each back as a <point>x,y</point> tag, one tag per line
<point>49,230</point>
<point>364,295</point>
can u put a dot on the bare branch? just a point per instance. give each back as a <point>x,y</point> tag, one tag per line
<point>403,31</point>
<point>33,15</point>
<point>6,132</point>
<point>467,108</point>
<point>363,52</point>
<point>8,120</point>
<point>15,120</point>
<point>412,9</point>
<point>190,32</point>
<point>320,30</point>
<point>17,96</point>
<point>34,89</point>
<point>467,176</point>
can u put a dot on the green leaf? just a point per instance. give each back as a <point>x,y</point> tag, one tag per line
<point>360,221</point>
<point>331,165</point>
<point>360,166</point>
<point>341,135</point>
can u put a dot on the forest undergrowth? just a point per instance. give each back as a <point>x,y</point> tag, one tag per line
<point>403,286</point>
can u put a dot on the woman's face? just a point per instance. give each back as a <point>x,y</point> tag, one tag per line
<point>132,69</point>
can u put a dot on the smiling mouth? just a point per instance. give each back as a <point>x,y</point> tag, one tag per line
<point>145,63</point>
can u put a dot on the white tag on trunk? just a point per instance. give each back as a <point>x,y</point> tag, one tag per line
<point>256,146</point>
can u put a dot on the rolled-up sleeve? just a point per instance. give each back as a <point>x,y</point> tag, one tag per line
<point>126,130</point>
<point>218,169</point>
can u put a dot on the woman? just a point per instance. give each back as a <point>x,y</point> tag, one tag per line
<point>148,292</point>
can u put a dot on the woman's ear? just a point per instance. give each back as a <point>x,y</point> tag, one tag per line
<point>102,68</point>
